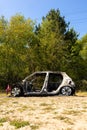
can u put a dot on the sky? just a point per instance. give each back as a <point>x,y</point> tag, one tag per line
<point>75,11</point>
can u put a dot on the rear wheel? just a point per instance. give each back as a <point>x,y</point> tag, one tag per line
<point>16,91</point>
<point>66,91</point>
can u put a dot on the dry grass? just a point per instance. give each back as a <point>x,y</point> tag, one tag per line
<point>19,124</point>
<point>40,113</point>
<point>79,93</point>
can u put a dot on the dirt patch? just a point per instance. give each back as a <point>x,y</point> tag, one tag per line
<point>43,113</point>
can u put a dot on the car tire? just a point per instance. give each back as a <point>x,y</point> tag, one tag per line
<point>16,91</point>
<point>66,91</point>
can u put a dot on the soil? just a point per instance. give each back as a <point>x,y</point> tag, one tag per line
<point>43,113</point>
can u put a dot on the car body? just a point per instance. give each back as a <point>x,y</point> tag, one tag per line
<point>44,83</point>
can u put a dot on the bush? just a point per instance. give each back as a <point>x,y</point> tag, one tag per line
<point>81,85</point>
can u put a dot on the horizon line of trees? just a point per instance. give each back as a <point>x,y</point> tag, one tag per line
<point>26,47</point>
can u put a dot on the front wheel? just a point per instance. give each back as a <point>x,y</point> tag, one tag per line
<point>66,91</point>
<point>16,91</point>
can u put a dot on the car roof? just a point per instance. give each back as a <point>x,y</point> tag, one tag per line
<point>43,72</point>
<point>49,72</point>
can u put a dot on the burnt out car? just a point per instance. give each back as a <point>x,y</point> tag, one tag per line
<point>44,83</point>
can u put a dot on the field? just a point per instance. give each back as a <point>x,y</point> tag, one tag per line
<point>43,113</point>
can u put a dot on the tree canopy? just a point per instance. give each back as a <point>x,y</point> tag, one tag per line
<point>52,45</point>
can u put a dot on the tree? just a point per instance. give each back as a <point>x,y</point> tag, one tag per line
<point>51,45</point>
<point>16,43</point>
<point>56,41</point>
<point>3,28</point>
<point>83,44</point>
<point>83,54</point>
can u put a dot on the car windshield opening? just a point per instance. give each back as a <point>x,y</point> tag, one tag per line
<point>35,82</point>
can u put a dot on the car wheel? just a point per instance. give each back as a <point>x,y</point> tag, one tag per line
<point>16,91</point>
<point>66,91</point>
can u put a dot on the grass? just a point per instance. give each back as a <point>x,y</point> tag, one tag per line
<point>47,108</point>
<point>80,93</point>
<point>15,102</point>
<point>64,119</point>
<point>72,112</point>
<point>4,99</point>
<point>44,104</point>
<point>2,120</point>
<point>34,127</point>
<point>2,94</point>
<point>63,109</point>
<point>23,108</point>
<point>19,123</point>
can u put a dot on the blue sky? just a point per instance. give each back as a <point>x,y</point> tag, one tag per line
<point>75,11</point>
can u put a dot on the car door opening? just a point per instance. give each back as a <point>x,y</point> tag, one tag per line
<point>35,82</point>
<point>54,82</point>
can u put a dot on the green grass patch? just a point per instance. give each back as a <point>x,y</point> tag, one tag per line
<point>2,120</point>
<point>34,127</point>
<point>19,123</point>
